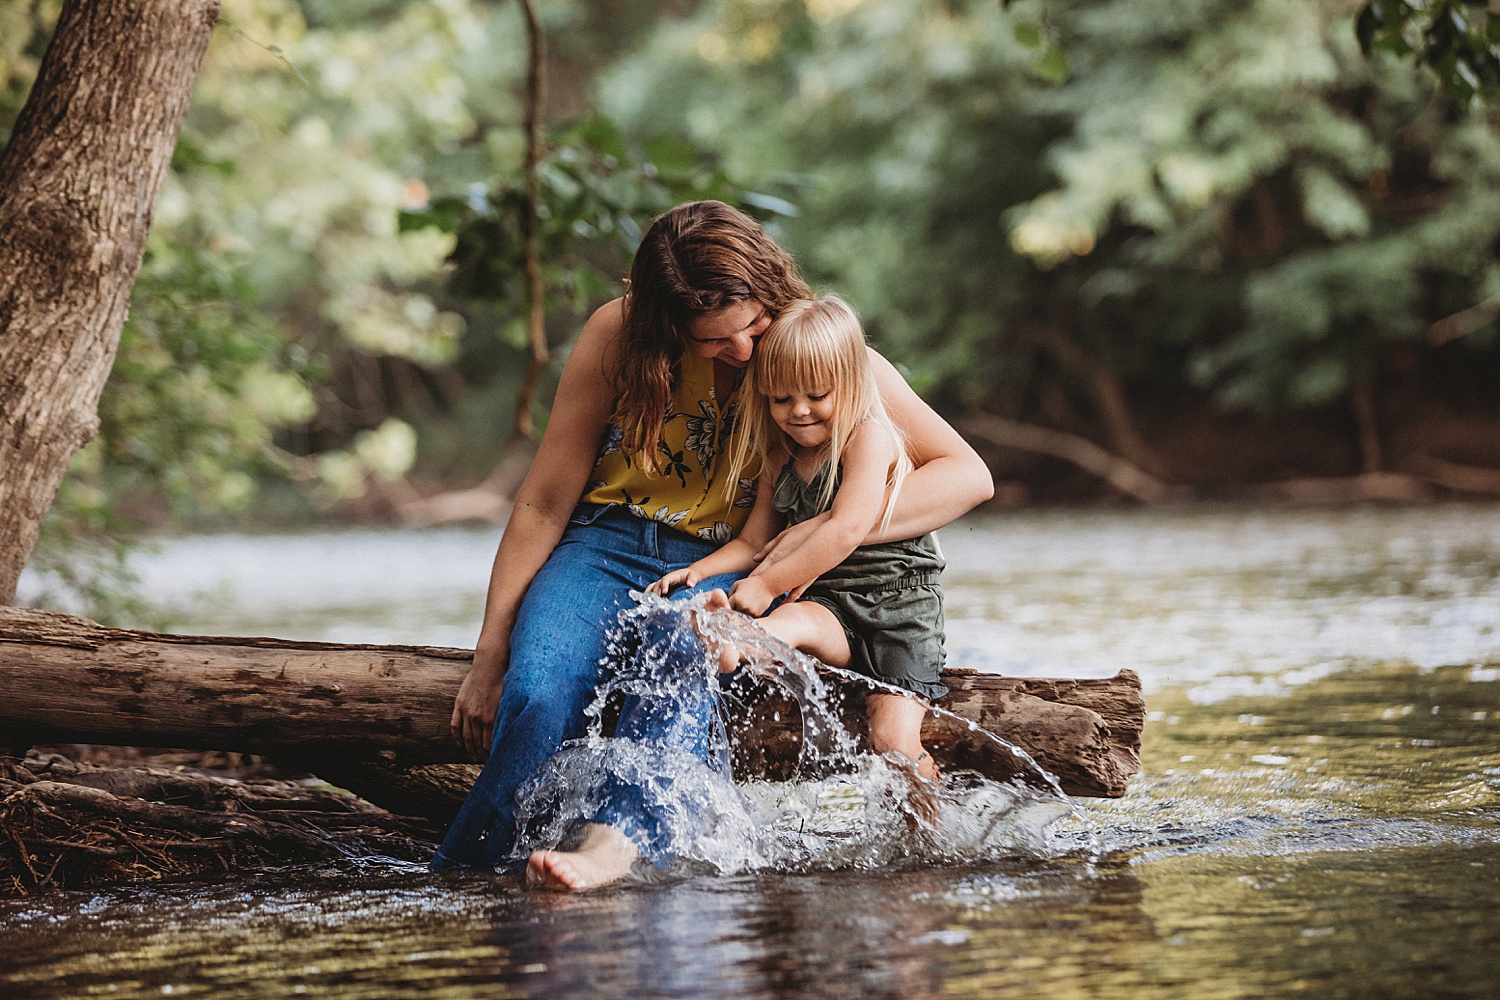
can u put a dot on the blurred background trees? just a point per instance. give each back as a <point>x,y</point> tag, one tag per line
<point>1219,240</point>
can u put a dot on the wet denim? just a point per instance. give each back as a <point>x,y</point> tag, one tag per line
<point>555,652</point>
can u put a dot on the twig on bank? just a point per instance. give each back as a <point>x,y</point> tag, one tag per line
<point>1453,476</point>
<point>1463,323</point>
<point>1124,476</point>
<point>1392,487</point>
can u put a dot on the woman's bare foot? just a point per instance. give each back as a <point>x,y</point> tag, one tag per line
<point>605,856</point>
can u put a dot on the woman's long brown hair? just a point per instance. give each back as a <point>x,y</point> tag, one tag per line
<point>695,259</point>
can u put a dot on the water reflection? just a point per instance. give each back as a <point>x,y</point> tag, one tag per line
<point>1363,859</point>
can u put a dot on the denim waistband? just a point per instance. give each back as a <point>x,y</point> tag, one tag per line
<point>637,533</point>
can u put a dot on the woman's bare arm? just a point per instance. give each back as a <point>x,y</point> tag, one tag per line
<point>584,402</point>
<point>949,480</point>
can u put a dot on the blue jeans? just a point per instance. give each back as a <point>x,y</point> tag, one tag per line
<point>555,652</point>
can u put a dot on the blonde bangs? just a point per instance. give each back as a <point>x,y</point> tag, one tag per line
<point>815,345</point>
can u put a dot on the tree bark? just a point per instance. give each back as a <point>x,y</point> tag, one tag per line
<point>78,183</point>
<point>1367,427</point>
<point>375,718</point>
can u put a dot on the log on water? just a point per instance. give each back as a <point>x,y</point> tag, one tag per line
<point>374,719</point>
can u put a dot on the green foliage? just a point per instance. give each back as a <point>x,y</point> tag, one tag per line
<point>1210,197</point>
<point>277,272</point>
<point>597,191</point>
<point>1459,40</point>
<point>200,382</point>
<point>1250,202</point>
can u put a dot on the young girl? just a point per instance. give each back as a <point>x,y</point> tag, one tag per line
<point>816,428</point>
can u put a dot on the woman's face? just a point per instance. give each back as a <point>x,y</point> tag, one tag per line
<point>729,334</point>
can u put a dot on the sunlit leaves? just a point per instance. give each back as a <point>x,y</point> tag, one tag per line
<point>1459,40</point>
<point>200,382</point>
<point>598,191</point>
<point>1224,197</point>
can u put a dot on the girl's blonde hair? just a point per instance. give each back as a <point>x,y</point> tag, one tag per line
<point>814,344</point>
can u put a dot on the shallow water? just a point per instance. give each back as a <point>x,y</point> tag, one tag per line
<point>1318,814</point>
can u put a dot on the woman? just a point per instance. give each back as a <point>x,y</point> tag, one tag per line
<point>627,486</point>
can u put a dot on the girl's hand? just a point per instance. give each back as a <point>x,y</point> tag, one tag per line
<point>685,577</point>
<point>751,596</point>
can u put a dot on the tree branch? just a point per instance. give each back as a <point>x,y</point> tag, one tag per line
<point>1105,388</point>
<point>1119,473</point>
<point>1453,476</point>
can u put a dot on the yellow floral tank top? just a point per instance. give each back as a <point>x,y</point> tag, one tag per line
<point>688,492</point>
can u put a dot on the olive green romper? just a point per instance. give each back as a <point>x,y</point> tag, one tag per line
<point>885,596</point>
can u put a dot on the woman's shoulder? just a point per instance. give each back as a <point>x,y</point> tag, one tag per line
<point>599,342</point>
<point>605,323</point>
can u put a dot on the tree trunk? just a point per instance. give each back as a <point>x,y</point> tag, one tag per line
<point>374,718</point>
<point>1105,387</point>
<point>1367,426</point>
<point>77,187</point>
<point>531,222</point>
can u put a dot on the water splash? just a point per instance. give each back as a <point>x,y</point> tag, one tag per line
<point>844,806</point>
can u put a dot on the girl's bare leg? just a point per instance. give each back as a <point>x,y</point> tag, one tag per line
<point>803,625</point>
<point>896,727</point>
<point>605,856</point>
<point>811,628</point>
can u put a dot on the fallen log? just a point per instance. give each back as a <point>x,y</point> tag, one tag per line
<point>69,825</point>
<point>374,719</point>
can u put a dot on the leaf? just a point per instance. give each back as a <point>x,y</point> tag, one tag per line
<point>671,155</point>
<point>1029,35</point>
<point>1051,65</point>
<point>770,203</point>
<point>442,213</point>
<point>597,133</point>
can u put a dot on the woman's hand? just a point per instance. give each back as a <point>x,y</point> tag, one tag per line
<point>474,709</point>
<point>785,544</point>
<point>685,577</point>
<point>539,517</point>
<point>751,596</point>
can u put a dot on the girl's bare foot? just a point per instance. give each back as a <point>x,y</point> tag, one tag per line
<point>605,856</point>
<point>923,793</point>
<point>729,654</point>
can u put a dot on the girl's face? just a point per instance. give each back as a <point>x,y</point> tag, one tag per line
<point>805,416</point>
<point>729,334</point>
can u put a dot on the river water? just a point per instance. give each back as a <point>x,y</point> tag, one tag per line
<point>1317,817</point>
